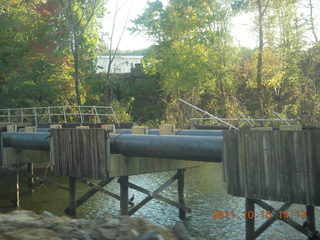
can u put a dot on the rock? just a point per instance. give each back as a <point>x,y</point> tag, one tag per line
<point>181,232</point>
<point>31,234</point>
<point>26,225</point>
<point>150,235</point>
<point>106,233</point>
<point>111,223</point>
<point>47,214</point>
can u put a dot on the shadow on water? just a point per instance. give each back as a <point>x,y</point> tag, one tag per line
<point>205,192</point>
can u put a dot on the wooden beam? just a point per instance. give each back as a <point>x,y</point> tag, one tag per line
<point>72,195</point>
<point>274,218</point>
<point>250,234</point>
<point>58,185</point>
<point>147,199</point>
<point>180,173</point>
<point>30,176</point>
<point>298,227</point>
<point>311,224</point>
<point>17,190</point>
<point>101,189</point>
<point>157,196</point>
<point>89,194</point>
<point>124,195</point>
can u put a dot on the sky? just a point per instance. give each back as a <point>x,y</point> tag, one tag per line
<point>241,26</point>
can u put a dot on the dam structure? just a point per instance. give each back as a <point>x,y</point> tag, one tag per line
<point>259,164</point>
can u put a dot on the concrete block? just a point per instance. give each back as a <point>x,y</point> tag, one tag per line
<point>139,130</point>
<point>110,127</point>
<point>290,127</point>
<point>166,129</point>
<point>262,128</point>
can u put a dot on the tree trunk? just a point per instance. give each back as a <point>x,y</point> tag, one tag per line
<point>260,56</point>
<point>312,21</point>
<point>76,71</point>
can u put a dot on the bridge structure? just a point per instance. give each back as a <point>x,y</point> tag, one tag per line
<point>259,164</point>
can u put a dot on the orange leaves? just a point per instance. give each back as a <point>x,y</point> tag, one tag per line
<point>46,9</point>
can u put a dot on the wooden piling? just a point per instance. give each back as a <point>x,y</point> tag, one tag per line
<point>182,212</point>
<point>311,224</point>
<point>250,234</point>
<point>72,195</point>
<point>88,194</point>
<point>124,195</point>
<point>30,176</point>
<point>17,190</point>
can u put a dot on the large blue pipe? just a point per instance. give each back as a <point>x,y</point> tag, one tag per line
<point>26,141</point>
<point>199,148</point>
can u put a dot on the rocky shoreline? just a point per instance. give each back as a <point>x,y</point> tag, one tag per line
<point>26,225</point>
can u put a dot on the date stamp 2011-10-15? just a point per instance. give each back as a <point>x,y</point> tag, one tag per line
<point>263,214</point>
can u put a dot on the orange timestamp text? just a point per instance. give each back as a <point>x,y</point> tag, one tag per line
<point>264,214</point>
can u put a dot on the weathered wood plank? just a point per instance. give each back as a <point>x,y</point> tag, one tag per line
<point>79,152</point>
<point>273,165</point>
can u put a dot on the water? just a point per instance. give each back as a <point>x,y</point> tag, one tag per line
<point>205,192</point>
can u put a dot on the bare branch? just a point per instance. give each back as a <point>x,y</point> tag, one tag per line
<point>265,7</point>
<point>312,22</point>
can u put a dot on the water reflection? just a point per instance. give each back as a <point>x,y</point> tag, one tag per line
<point>205,192</point>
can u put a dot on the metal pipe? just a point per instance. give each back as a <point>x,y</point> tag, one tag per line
<point>201,148</point>
<point>245,119</point>
<point>187,132</point>
<point>26,141</point>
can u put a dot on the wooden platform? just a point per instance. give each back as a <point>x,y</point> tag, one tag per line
<point>273,165</point>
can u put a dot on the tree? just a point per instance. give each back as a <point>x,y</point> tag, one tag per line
<point>81,23</point>
<point>32,67</point>
<point>192,51</point>
<point>113,50</point>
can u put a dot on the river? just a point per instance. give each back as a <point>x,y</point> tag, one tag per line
<point>205,192</point>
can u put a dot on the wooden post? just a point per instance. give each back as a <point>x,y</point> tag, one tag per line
<point>124,195</point>
<point>17,190</point>
<point>30,176</point>
<point>311,219</point>
<point>72,195</point>
<point>250,234</point>
<point>182,212</point>
<point>88,194</point>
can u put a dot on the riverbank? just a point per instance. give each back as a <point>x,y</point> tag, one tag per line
<point>26,225</point>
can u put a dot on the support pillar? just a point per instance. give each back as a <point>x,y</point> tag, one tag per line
<point>311,225</point>
<point>17,190</point>
<point>30,176</point>
<point>250,233</point>
<point>72,195</point>
<point>124,195</point>
<point>182,212</point>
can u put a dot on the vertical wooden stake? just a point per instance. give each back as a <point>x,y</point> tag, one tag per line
<point>18,190</point>
<point>250,234</point>
<point>30,176</point>
<point>72,195</point>
<point>311,219</point>
<point>124,195</point>
<point>182,213</point>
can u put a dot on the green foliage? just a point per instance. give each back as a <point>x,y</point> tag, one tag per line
<point>196,61</point>
<point>32,67</point>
